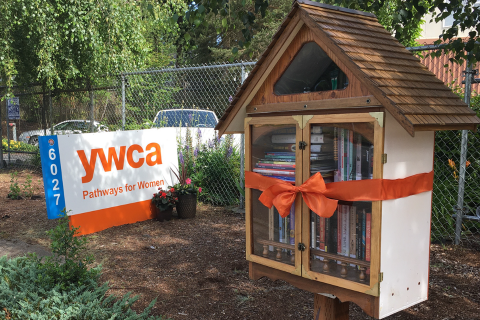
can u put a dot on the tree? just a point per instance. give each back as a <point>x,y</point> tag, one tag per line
<point>401,17</point>
<point>56,42</point>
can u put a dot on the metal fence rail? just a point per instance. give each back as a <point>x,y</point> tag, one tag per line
<point>132,100</point>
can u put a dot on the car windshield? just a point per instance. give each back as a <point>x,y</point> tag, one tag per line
<point>186,118</point>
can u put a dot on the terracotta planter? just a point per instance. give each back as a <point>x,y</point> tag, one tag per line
<point>163,215</point>
<point>187,206</point>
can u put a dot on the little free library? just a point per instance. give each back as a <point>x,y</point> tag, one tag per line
<point>339,122</point>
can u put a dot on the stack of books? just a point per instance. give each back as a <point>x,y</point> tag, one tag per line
<point>280,165</point>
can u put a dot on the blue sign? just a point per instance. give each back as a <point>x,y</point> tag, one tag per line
<point>13,107</point>
<point>52,175</point>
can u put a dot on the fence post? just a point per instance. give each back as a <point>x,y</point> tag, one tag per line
<point>8,131</point>
<point>463,158</point>
<point>1,135</point>
<point>92,108</point>
<point>50,109</point>
<point>123,102</point>
<point>242,153</point>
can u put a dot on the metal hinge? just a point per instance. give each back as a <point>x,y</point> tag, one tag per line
<point>384,158</point>
<point>301,247</point>
<point>380,277</point>
<point>302,145</point>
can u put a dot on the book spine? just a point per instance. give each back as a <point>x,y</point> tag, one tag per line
<point>345,231</point>
<point>280,153</point>
<point>359,157</point>
<point>288,147</point>
<point>313,236</point>
<point>353,235</point>
<point>339,230</point>
<point>317,129</point>
<point>368,228</point>
<point>358,231</point>
<point>322,233</point>
<point>278,167</point>
<point>370,165</point>
<point>273,161</point>
<point>317,138</point>
<point>281,235</point>
<point>275,171</point>
<point>351,175</point>
<point>364,222</point>
<point>317,230</point>
<point>342,154</point>
<point>270,156</point>
<point>333,233</point>
<point>271,226</point>
<point>284,138</point>
<point>345,155</point>
<point>292,224</point>
<point>328,237</point>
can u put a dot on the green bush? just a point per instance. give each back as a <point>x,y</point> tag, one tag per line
<point>18,146</point>
<point>214,166</point>
<point>62,286</point>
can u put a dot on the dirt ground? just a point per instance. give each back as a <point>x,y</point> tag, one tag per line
<point>196,268</point>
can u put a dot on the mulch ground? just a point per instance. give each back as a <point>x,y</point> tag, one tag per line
<point>196,268</point>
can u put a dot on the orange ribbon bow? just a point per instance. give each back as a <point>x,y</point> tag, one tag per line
<point>322,198</point>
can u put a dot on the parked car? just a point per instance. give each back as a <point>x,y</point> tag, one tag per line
<point>182,118</point>
<point>202,123</point>
<point>65,127</point>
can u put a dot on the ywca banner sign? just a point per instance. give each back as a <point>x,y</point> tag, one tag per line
<point>107,179</point>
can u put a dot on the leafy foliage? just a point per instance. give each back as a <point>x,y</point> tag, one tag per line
<point>165,199</point>
<point>56,42</point>
<point>54,289</point>
<point>214,166</point>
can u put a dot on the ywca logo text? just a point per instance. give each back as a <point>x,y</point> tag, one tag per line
<point>153,158</point>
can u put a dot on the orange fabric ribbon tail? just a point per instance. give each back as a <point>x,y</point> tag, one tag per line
<point>323,198</point>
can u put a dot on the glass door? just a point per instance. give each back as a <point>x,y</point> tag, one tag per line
<point>342,248</point>
<point>272,152</point>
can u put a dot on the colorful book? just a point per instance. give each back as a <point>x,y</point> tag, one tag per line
<point>358,157</point>
<point>342,155</point>
<point>358,229</point>
<point>353,235</point>
<point>271,226</point>
<point>281,230</point>
<point>316,129</point>
<point>284,138</point>
<point>283,161</point>
<point>368,228</point>
<point>277,172</point>
<point>280,154</point>
<point>351,175</point>
<point>279,157</point>
<point>339,230</point>
<point>364,223</point>
<point>292,224</point>
<point>322,234</point>
<point>275,166</point>
<point>346,231</point>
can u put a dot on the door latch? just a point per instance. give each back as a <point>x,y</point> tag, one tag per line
<point>301,247</point>
<point>302,145</point>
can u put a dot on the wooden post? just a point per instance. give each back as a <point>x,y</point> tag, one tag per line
<point>329,309</point>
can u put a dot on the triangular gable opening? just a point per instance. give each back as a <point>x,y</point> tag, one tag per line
<point>311,70</point>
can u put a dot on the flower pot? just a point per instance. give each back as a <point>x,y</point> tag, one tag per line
<point>187,206</point>
<point>163,215</point>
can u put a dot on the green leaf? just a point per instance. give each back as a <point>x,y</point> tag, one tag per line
<point>187,36</point>
<point>224,23</point>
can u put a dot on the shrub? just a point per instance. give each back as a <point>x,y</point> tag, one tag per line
<point>52,289</point>
<point>215,167</point>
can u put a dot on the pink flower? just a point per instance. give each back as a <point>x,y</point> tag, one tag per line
<point>188,181</point>
<point>199,189</point>
<point>172,190</point>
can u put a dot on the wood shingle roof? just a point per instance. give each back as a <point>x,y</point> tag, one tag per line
<point>395,77</point>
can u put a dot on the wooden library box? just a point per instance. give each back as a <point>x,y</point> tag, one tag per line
<point>339,122</point>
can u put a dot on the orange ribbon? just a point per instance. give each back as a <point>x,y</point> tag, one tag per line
<point>322,198</point>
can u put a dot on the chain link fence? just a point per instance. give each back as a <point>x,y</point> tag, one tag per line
<point>456,189</point>
<point>138,100</point>
<point>195,97</point>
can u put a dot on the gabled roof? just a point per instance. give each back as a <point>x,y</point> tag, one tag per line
<point>394,76</point>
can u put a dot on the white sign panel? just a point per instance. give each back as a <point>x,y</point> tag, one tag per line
<point>100,171</point>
